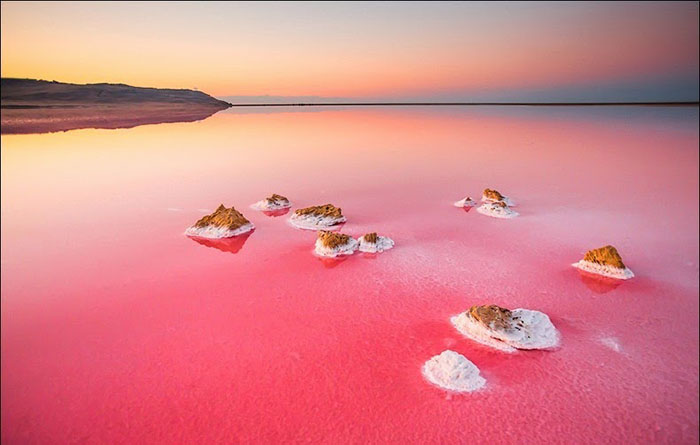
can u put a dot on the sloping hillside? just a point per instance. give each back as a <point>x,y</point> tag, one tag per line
<point>38,106</point>
<point>41,92</point>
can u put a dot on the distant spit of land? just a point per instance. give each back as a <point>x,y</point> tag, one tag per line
<point>39,106</point>
<point>480,104</point>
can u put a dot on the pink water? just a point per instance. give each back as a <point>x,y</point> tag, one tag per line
<point>118,329</point>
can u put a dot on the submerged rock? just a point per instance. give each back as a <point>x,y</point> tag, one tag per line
<point>274,202</point>
<point>454,372</point>
<point>507,330</point>
<point>466,202</point>
<point>223,223</point>
<point>497,209</point>
<point>372,243</point>
<point>331,244</point>
<point>605,261</point>
<point>491,195</point>
<point>312,218</point>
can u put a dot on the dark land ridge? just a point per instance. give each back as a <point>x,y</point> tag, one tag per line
<point>40,106</point>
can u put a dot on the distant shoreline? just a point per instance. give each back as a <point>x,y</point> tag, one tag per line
<point>471,104</point>
<point>39,106</point>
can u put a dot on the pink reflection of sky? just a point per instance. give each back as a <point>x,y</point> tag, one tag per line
<point>118,329</point>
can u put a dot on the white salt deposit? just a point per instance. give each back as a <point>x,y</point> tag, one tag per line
<point>383,243</point>
<point>466,202</point>
<point>496,211</point>
<point>612,343</point>
<point>344,249</point>
<point>215,232</point>
<point>529,330</point>
<point>454,372</point>
<point>509,202</point>
<point>604,269</point>
<point>314,222</point>
<point>266,205</point>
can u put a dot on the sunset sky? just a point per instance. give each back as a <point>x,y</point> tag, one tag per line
<point>432,51</point>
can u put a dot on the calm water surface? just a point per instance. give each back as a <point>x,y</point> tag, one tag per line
<point>116,328</point>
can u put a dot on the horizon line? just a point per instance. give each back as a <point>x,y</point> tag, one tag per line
<point>345,104</point>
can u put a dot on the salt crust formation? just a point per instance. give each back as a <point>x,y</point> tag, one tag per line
<point>372,243</point>
<point>507,330</point>
<point>274,202</point>
<point>491,195</point>
<point>454,372</point>
<point>317,217</point>
<point>331,244</point>
<point>466,202</point>
<point>497,209</point>
<point>605,261</point>
<point>223,223</point>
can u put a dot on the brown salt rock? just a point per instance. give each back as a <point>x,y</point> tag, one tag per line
<point>493,195</point>
<point>607,255</point>
<point>277,199</point>
<point>324,210</point>
<point>487,314</point>
<point>332,239</point>
<point>371,237</point>
<point>223,217</point>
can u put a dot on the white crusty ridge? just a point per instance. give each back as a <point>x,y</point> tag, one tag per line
<point>215,232</point>
<point>497,209</point>
<point>605,270</point>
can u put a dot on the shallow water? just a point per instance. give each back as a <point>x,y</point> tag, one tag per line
<point>116,328</point>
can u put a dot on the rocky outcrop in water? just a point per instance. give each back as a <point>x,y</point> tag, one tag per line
<point>223,223</point>
<point>605,261</point>
<point>315,217</point>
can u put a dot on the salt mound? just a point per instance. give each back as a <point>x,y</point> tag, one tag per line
<point>317,217</point>
<point>274,202</point>
<point>490,195</point>
<point>331,244</point>
<point>605,270</point>
<point>498,209</point>
<point>372,243</point>
<point>223,223</point>
<point>466,202</point>
<point>454,372</point>
<point>507,330</point>
<point>605,261</point>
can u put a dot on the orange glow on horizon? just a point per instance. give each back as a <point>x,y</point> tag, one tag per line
<point>541,51</point>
